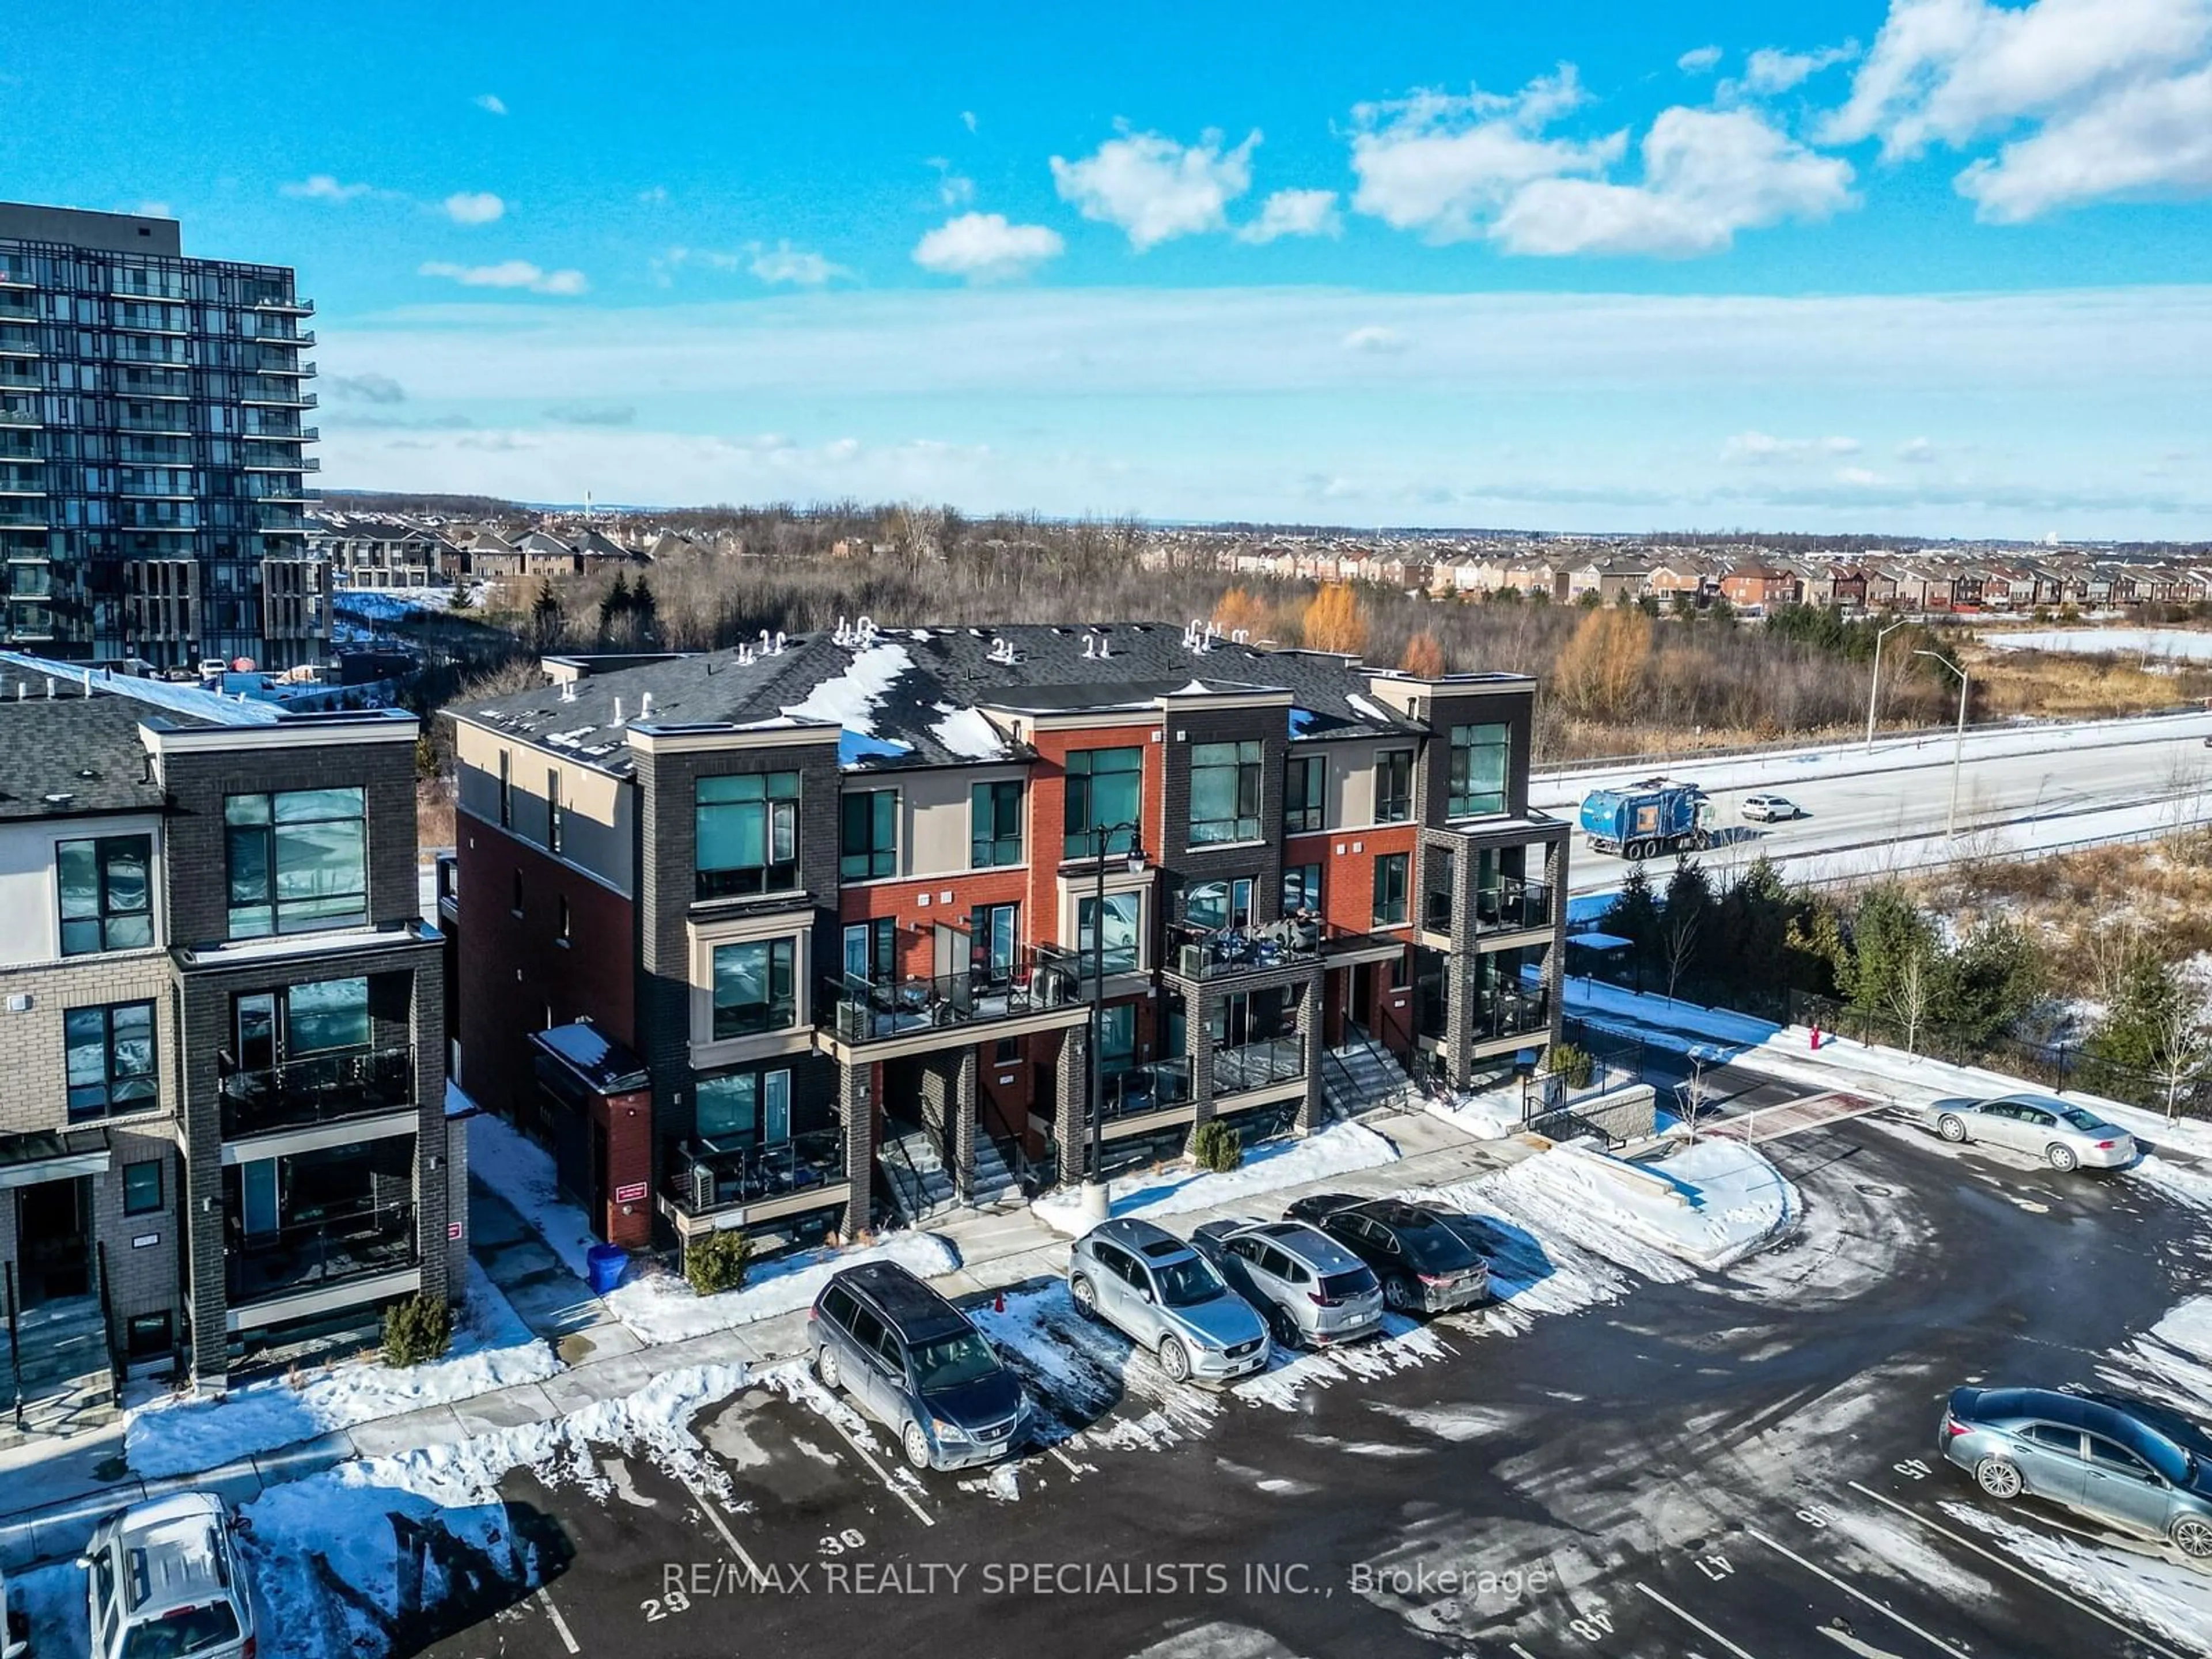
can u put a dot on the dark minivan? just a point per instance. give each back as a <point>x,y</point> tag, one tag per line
<point>915,1364</point>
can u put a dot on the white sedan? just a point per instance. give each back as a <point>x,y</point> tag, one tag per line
<point>1768,808</point>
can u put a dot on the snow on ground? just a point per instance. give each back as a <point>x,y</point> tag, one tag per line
<point>521,1171</point>
<point>2181,644</point>
<point>53,1598</point>
<point>1402,1345</point>
<point>1710,1204</point>
<point>2153,1591</point>
<point>1268,1167</point>
<point>2172,1365</point>
<point>1486,1115</point>
<point>661,1307</point>
<point>1077,1371</point>
<point>492,1349</point>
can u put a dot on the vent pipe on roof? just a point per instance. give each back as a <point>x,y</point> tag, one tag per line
<point>645,706</point>
<point>617,719</point>
<point>1089,647</point>
<point>49,688</point>
<point>780,637</point>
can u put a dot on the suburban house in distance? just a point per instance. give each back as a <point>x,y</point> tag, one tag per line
<point>735,931</point>
<point>223,1119</point>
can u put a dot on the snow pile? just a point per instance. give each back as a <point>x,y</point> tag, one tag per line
<point>1269,1167</point>
<point>1402,1345</point>
<point>521,1171</point>
<point>1710,1204</point>
<point>2172,1365</point>
<point>492,1349</point>
<point>967,732</point>
<point>1487,1115</point>
<point>850,699</point>
<point>660,1307</point>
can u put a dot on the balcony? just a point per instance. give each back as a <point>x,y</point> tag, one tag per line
<point>140,383</point>
<point>1513,906</point>
<point>1142,1091</point>
<point>284,305</point>
<point>292,462</point>
<point>706,1179</point>
<point>1258,1065</point>
<point>278,394</point>
<point>322,1089</point>
<point>883,1008</point>
<point>277,363</point>
<point>1513,1014</point>
<point>22,515</point>
<point>20,414</point>
<point>20,377</point>
<point>302,337</point>
<point>309,1256</point>
<point>1221,953</point>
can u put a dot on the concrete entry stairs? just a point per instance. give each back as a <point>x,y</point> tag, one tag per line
<point>921,1187</point>
<point>1363,1076</point>
<point>65,1381</point>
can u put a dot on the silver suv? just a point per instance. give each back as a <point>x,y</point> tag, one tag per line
<point>163,1581</point>
<point>1313,1292</point>
<point>1167,1298</point>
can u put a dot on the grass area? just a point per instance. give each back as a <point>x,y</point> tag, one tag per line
<point>2060,685</point>
<point>2157,893</point>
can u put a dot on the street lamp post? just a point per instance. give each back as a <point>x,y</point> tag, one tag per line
<point>1095,1207</point>
<point>1874,690</point>
<point>1958,743</point>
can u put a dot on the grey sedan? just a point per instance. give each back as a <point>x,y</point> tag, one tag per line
<point>1168,1299</point>
<point>2109,1460</point>
<point>2063,1135</point>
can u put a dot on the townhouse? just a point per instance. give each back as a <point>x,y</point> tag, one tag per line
<point>222,1056</point>
<point>740,932</point>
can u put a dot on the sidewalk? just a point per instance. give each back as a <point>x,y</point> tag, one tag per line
<point>50,1506</point>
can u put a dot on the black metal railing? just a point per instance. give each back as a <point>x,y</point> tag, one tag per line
<point>1512,1013</point>
<point>878,1007</point>
<point>1160,1086</point>
<point>328,1250</point>
<point>1336,941</point>
<point>1217,952</point>
<point>1513,904</point>
<point>1258,1065</point>
<point>707,1178</point>
<point>15,1349</point>
<point>108,1318</point>
<point>318,1089</point>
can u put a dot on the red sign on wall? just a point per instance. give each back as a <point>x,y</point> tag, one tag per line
<point>630,1194</point>
<point>453,1230</point>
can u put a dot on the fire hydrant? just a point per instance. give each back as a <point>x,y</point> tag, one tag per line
<point>998,1303</point>
<point>1816,1038</point>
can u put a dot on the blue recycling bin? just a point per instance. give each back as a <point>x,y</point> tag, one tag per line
<point>607,1263</point>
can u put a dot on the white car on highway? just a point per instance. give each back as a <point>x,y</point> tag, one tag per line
<point>1765,809</point>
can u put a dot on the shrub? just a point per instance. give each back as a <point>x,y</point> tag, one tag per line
<point>416,1329</point>
<point>1572,1066</point>
<point>1216,1147</point>
<point>718,1262</point>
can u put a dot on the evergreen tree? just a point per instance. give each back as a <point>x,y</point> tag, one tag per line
<point>1634,915</point>
<point>546,620</point>
<point>644,611</point>
<point>615,605</point>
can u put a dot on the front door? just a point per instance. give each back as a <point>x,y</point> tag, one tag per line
<point>257,1029</point>
<point>1362,1010</point>
<point>53,1228</point>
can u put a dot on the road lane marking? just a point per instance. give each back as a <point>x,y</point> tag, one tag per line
<point>1520,1652</point>
<point>1849,1590</point>
<point>560,1625</point>
<point>714,1515</point>
<point>882,1473</point>
<point>1697,1625</point>
<point>2018,1572</point>
<point>1073,1467</point>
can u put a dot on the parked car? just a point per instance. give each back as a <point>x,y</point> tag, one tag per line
<point>2105,1457</point>
<point>1426,1265</point>
<point>15,1625</point>
<point>164,1580</point>
<point>1766,809</point>
<point>2063,1135</point>
<point>1312,1291</point>
<point>1168,1299</point>
<point>917,1365</point>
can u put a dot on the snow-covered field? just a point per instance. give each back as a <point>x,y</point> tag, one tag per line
<point>492,1349</point>
<point>1268,1167</point>
<point>2173,644</point>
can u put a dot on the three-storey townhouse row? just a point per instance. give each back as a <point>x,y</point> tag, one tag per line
<point>223,1120</point>
<point>773,937</point>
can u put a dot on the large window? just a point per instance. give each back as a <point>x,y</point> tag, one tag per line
<point>994,821</point>
<point>872,951</point>
<point>868,836</point>
<point>1123,913</point>
<point>1478,756</point>
<point>1225,792</point>
<point>110,1058</point>
<point>1219,904</point>
<point>553,810</point>
<point>748,835</point>
<point>1393,786</point>
<point>1118,1038</point>
<point>323,1016</point>
<point>1105,786</point>
<point>755,989</point>
<point>299,860</point>
<point>107,894</point>
<point>993,941</point>
<point>1390,870</point>
<point>1304,778</point>
<point>744,1108</point>
<point>142,1187</point>
<point>1301,889</point>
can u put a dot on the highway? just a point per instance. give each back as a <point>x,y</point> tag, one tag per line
<point>2020,790</point>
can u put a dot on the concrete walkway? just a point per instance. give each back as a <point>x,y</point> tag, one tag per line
<point>48,1509</point>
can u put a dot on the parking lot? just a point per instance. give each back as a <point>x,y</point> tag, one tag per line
<point>1741,1465</point>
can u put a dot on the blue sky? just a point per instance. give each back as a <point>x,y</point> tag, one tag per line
<point>1915,265</point>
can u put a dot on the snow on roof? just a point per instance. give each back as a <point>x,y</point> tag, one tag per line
<point>850,699</point>
<point>1362,706</point>
<point>968,734</point>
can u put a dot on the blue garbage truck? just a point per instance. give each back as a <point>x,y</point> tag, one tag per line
<point>1642,820</point>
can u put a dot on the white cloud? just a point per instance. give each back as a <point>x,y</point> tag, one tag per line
<point>323,187</point>
<point>152,210</point>
<point>1770,69</point>
<point>653,195</point>
<point>968,119</point>
<point>1294,213</point>
<point>2151,139</point>
<point>1859,477</point>
<point>1441,164</point>
<point>1699,60</point>
<point>473,207</point>
<point>1916,451</point>
<point>983,247</point>
<point>1156,189</point>
<point>1760,446</point>
<point>1707,174</point>
<point>1374,337</point>
<point>510,273</point>
<point>953,189</point>
<point>786,263</point>
<point>491,103</point>
<point>368,388</point>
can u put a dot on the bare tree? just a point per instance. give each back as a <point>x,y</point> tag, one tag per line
<point>1910,996</point>
<point>2108,952</point>
<point>2180,1045</point>
<point>1694,1094</point>
<point>1679,943</point>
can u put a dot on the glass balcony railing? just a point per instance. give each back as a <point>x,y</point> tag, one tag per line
<point>1216,953</point>
<point>1258,1065</point>
<point>705,1178</point>
<point>319,1089</point>
<point>17,515</point>
<point>877,1009</point>
<point>280,393</point>
<point>1513,1013</point>
<point>1512,905</point>
<point>1161,1087</point>
<point>20,414</point>
<point>357,1243</point>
